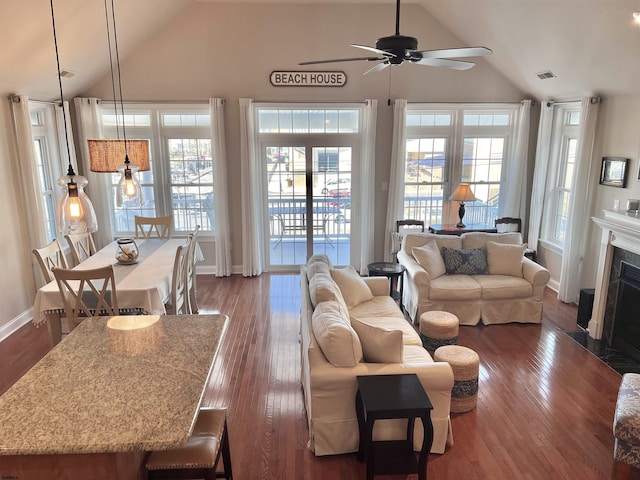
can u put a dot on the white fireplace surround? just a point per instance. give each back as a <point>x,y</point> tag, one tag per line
<point>619,229</point>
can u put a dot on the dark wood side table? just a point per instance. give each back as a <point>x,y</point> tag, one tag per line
<point>451,229</point>
<point>391,271</point>
<point>393,396</point>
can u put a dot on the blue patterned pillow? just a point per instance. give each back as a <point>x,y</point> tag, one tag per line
<point>472,261</point>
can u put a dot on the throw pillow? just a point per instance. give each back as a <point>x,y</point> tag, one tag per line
<point>322,288</point>
<point>505,259</point>
<point>336,337</point>
<point>429,258</point>
<point>470,261</point>
<point>379,345</point>
<point>354,289</point>
<point>315,267</point>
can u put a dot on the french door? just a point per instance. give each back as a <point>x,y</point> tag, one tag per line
<point>309,193</point>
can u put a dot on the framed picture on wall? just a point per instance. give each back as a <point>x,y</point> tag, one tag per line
<point>614,171</point>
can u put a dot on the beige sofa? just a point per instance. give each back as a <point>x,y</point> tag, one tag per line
<point>509,289</point>
<point>349,330</point>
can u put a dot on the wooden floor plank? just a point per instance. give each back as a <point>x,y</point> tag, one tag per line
<point>545,404</point>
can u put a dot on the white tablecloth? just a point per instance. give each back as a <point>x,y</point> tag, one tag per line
<point>146,284</point>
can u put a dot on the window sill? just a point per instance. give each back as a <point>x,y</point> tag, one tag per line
<point>552,247</point>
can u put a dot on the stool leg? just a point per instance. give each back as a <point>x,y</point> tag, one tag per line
<point>226,454</point>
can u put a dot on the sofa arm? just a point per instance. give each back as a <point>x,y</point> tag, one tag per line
<point>415,272</point>
<point>379,286</point>
<point>534,273</point>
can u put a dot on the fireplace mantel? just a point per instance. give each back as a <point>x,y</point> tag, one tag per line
<point>619,229</point>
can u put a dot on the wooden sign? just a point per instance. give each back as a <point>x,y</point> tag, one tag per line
<point>308,79</point>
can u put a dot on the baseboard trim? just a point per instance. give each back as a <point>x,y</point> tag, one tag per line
<point>16,323</point>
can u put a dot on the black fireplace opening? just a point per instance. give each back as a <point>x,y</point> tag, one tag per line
<point>626,324</point>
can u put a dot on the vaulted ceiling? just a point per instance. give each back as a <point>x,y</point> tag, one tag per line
<point>592,46</point>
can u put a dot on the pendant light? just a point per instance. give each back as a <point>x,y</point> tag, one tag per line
<point>105,155</point>
<point>75,211</point>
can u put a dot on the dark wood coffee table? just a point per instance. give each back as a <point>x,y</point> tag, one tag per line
<point>393,396</point>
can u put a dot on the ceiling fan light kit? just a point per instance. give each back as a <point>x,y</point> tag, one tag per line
<point>396,49</point>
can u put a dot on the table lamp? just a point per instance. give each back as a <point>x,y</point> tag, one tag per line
<point>462,194</point>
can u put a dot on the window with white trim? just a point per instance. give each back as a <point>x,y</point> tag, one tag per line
<point>180,181</point>
<point>564,143</point>
<point>48,162</point>
<point>450,144</point>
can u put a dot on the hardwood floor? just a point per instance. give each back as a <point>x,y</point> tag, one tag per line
<point>545,404</point>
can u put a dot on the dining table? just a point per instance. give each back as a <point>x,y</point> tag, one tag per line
<point>142,287</point>
<point>113,390</point>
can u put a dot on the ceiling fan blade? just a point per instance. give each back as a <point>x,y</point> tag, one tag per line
<point>443,62</point>
<point>337,60</point>
<point>375,50</point>
<point>454,52</point>
<point>378,67</point>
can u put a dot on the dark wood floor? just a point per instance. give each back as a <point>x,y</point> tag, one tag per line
<point>545,404</point>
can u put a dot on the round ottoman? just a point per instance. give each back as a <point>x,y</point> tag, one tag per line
<point>465,364</point>
<point>438,329</point>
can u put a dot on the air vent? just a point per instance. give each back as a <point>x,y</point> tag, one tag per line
<point>546,74</point>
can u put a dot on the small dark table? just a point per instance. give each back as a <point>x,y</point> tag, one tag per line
<point>393,396</point>
<point>451,229</point>
<point>391,271</point>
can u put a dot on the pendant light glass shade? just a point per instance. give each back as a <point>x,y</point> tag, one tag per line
<point>75,211</point>
<point>129,191</point>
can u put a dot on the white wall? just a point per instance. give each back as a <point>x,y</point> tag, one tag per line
<point>227,50</point>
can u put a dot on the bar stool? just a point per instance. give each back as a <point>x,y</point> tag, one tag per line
<point>198,457</point>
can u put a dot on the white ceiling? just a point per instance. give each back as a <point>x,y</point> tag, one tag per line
<point>591,45</point>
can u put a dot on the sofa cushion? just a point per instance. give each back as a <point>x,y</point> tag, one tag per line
<point>505,259</point>
<point>353,287</point>
<point>322,288</point>
<point>480,239</point>
<point>315,267</point>
<point>429,257</point>
<point>378,306</point>
<point>332,330</point>
<point>320,257</point>
<point>379,345</point>
<point>412,240</point>
<point>496,287</point>
<point>455,287</point>
<point>415,354</point>
<point>470,261</point>
<point>409,334</point>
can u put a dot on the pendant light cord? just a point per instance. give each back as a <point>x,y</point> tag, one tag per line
<point>70,171</point>
<point>113,83</point>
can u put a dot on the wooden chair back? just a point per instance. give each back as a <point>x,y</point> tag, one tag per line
<point>87,293</point>
<point>508,224</point>
<point>179,295</point>
<point>191,271</point>
<point>148,227</point>
<point>409,225</point>
<point>81,245</point>
<point>49,256</point>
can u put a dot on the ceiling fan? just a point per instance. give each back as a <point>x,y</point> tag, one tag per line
<point>395,49</point>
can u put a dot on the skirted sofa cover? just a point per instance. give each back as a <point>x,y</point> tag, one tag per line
<point>350,326</point>
<point>475,276</point>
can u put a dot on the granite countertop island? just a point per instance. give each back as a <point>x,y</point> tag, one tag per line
<point>111,389</point>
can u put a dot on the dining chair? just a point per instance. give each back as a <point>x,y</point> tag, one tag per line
<point>508,224</point>
<point>49,256</point>
<point>147,227</point>
<point>87,293</point>
<point>190,265</point>
<point>81,245</point>
<point>178,304</point>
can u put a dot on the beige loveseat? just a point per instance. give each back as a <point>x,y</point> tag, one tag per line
<point>510,288</point>
<point>357,329</point>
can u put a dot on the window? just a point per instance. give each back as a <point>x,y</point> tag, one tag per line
<point>450,145</point>
<point>48,161</point>
<point>564,143</point>
<point>180,181</point>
